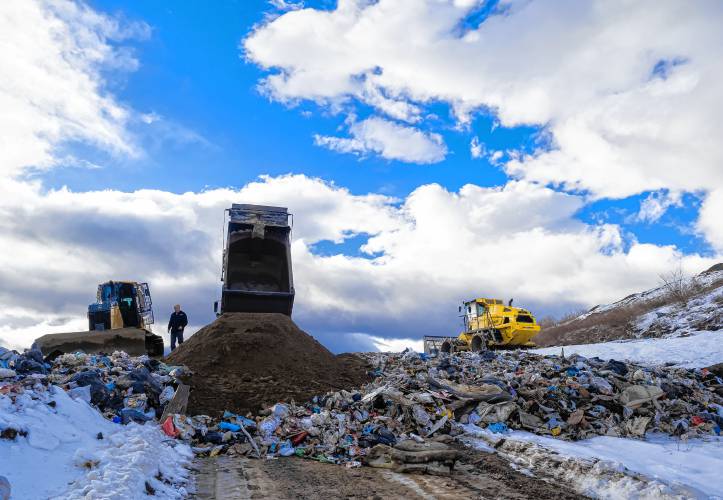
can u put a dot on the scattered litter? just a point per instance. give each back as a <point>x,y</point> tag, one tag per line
<point>413,405</point>
<point>422,400</point>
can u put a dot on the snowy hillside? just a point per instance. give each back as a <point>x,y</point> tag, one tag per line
<point>702,313</point>
<point>680,308</point>
<point>708,278</point>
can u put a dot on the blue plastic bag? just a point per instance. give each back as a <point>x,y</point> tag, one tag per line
<point>497,427</point>
<point>227,426</point>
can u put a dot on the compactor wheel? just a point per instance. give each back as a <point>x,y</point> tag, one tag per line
<point>478,344</point>
<point>447,347</point>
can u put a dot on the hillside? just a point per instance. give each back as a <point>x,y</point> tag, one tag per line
<point>678,308</point>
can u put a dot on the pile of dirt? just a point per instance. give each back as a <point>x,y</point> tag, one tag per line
<point>243,362</point>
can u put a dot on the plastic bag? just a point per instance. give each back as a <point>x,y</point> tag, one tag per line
<point>166,394</point>
<point>497,427</point>
<point>169,428</point>
<point>268,426</point>
<point>227,426</point>
<point>82,393</point>
<point>286,449</point>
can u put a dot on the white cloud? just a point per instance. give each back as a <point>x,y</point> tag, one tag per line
<point>476,148</point>
<point>397,345</point>
<point>52,90</point>
<point>423,255</point>
<point>656,204</point>
<point>389,140</point>
<point>286,5</point>
<point>628,92</point>
<point>710,222</point>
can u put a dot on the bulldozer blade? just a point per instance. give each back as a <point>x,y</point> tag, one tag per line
<point>130,340</point>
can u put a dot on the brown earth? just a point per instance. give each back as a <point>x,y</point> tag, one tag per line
<point>476,476</point>
<point>246,361</point>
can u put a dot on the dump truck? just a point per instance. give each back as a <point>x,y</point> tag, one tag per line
<point>256,265</point>
<point>119,320</point>
<point>488,324</point>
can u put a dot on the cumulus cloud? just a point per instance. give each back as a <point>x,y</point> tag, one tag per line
<point>710,222</point>
<point>628,94</point>
<point>422,254</point>
<point>52,89</point>
<point>656,204</point>
<point>389,140</point>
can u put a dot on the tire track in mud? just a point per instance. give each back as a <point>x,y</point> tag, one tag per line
<point>477,476</point>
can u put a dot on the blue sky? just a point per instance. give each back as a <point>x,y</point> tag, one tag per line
<point>193,74</point>
<point>596,165</point>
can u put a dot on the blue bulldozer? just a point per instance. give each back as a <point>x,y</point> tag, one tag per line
<point>119,320</point>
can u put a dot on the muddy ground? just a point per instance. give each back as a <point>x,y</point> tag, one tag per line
<point>478,475</point>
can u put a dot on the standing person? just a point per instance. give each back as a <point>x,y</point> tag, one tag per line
<point>176,324</point>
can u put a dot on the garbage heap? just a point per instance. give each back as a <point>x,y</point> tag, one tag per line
<point>121,387</point>
<point>415,404</point>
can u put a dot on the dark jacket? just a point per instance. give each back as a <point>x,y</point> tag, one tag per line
<point>178,321</point>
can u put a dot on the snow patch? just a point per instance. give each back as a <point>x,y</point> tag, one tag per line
<point>609,467</point>
<point>62,456</point>
<point>704,312</point>
<point>698,350</point>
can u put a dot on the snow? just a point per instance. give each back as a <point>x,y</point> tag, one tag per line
<point>62,457</point>
<point>700,349</point>
<point>703,280</point>
<point>668,466</point>
<point>700,313</point>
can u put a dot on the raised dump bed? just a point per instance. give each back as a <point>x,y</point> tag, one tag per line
<point>257,273</point>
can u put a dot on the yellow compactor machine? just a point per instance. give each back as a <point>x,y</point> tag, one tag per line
<point>488,324</point>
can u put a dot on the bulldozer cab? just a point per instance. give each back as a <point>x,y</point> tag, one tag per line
<point>121,304</point>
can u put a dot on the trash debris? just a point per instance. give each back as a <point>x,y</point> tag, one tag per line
<point>121,387</point>
<point>409,456</point>
<point>403,418</point>
<point>416,401</point>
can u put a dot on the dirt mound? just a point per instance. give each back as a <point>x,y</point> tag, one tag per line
<point>243,362</point>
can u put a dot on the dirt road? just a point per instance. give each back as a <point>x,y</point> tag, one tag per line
<point>477,476</point>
